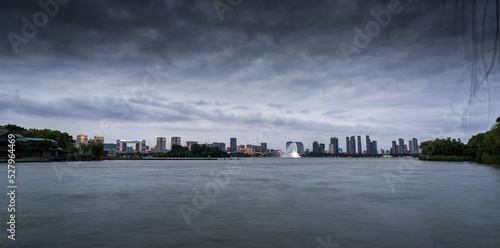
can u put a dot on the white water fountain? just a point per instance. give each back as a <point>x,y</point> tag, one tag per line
<point>291,151</point>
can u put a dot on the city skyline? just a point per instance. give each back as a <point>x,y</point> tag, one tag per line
<point>332,145</point>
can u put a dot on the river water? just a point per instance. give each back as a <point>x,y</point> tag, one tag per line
<point>255,202</point>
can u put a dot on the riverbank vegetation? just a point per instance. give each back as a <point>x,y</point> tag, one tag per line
<point>483,148</point>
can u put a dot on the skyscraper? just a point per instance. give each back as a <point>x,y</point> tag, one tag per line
<point>316,147</point>
<point>161,144</point>
<point>394,149</point>
<point>360,151</point>
<point>322,147</point>
<point>416,150</point>
<point>335,142</point>
<point>263,147</point>
<point>373,147</point>
<point>233,143</point>
<point>175,141</point>
<point>368,143</point>
<point>347,146</point>
<point>353,145</point>
<point>401,146</point>
<point>410,146</point>
<point>300,147</point>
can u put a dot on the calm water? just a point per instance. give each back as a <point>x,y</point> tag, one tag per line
<point>266,202</point>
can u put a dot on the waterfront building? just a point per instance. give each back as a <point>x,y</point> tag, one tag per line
<point>81,139</point>
<point>189,144</point>
<point>335,142</point>
<point>233,142</point>
<point>161,144</point>
<point>98,139</point>
<point>347,145</point>
<point>360,151</point>
<point>175,141</point>
<point>316,147</point>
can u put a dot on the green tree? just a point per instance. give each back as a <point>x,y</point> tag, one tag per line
<point>97,149</point>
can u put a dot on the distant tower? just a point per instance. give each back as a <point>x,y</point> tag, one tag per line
<point>316,147</point>
<point>175,141</point>
<point>401,146</point>
<point>161,144</point>
<point>368,143</point>
<point>347,145</point>
<point>233,142</point>
<point>415,146</point>
<point>335,142</point>
<point>81,139</point>
<point>353,145</point>
<point>99,139</point>
<point>360,151</point>
<point>300,147</point>
<point>263,148</point>
<point>394,149</point>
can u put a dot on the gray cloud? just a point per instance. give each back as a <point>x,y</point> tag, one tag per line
<point>223,79</point>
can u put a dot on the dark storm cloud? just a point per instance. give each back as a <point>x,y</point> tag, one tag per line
<point>264,55</point>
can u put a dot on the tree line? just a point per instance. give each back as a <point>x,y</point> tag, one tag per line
<point>482,148</point>
<point>201,151</point>
<point>63,139</point>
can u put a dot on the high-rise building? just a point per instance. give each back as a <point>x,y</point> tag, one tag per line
<point>175,141</point>
<point>401,149</point>
<point>81,139</point>
<point>347,145</point>
<point>373,147</point>
<point>322,147</point>
<point>410,146</point>
<point>335,142</point>
<point>161,144</point>
<point>263,148</point>
<point>140,146</point>
<point>316,147</point>
<point>330,149</point>
<point>353,145</point>
<point>360,151</point>
<point>233,144</point>
<point>98,139</point>
<point>190,144</point>
<point>220,145</point>
<point>368,143</point>
<point>394,149</point>
<point>416,150</point>
<point>300,147</point>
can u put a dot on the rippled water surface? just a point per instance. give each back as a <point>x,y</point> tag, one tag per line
<point>262,202</point>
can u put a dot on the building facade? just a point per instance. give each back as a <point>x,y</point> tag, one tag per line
<point>175,141</point>
<point>233,143</point>
<point>81,139</point>
<point>161,144</point>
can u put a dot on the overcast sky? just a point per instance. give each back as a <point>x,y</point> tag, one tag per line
<point>261,71</point>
